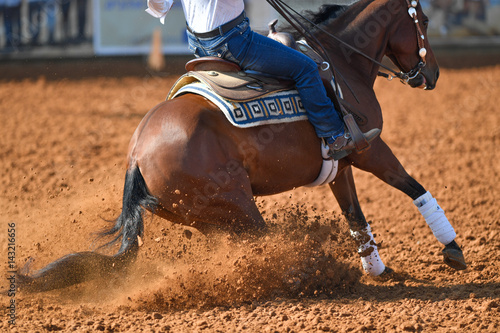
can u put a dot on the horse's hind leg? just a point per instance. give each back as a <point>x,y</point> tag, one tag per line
<point>234,211</point>
<point>218,200</point>
<point>381,162</point>
<point>345,192</point>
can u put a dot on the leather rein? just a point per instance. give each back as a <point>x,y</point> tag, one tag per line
<point>287,12</point>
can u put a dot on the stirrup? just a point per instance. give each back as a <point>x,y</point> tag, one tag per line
<point>344,144</point>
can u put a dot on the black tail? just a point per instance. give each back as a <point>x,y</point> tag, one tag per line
<point>136,197</point>
<point>83,266</point>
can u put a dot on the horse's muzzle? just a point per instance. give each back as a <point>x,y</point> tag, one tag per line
<point>419,82</point>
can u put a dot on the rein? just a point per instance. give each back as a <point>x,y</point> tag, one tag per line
<point>284,10</point>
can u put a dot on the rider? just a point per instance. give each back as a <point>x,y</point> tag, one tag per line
<point>220,28</point>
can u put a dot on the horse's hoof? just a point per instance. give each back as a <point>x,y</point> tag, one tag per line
<point>387,271</point>
<point>453,256</point>
<point>386,275</point>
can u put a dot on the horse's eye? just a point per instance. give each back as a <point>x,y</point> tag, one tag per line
<point>426,23</point>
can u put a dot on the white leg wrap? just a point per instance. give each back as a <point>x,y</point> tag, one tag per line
<point>435,218</point>
<point>367,249</point>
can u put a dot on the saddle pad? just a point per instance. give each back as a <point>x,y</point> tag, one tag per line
<point>283,106</point>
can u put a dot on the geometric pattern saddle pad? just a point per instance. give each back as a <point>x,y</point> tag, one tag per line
<point>283,106</point>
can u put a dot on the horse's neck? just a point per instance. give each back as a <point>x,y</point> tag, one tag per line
<point>359,73</point>
<point>352,28</point>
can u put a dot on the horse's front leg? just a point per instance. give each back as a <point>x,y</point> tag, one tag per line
<point>381,162</point>
<point>345,192</point>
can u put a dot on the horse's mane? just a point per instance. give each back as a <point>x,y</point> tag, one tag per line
<point>324,14</point>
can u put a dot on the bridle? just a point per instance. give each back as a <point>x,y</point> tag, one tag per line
<point>422,51</point>
<point>285,10</point>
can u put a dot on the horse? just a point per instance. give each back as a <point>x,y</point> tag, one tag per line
<point>189,165</point>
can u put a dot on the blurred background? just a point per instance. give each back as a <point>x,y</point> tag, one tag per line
<point>464,30</point>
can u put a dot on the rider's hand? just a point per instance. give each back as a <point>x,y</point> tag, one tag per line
<point>159,8</point>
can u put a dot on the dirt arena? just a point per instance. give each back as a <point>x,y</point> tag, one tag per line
<point>62,158</point>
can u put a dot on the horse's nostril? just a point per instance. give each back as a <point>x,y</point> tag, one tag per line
<point>437,74</point>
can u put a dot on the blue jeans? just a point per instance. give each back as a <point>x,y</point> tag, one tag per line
<point>255,52</point>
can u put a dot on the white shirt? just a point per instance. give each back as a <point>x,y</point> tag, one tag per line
<point>207,15</point>
<point>201,15</point>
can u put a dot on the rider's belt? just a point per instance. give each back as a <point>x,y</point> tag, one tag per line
<point>221,30</point>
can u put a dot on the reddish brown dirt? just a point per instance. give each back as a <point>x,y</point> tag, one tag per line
<point>62,157</point>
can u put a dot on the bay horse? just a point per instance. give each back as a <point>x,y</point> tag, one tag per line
<point>189,165</point>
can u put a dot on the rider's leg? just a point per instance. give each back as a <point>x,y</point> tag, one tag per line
<point>269,56</point>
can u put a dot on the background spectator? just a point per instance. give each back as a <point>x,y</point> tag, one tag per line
<point>35,20</point>
<point>12,23</point>
<point>81,7</point>
<point>50,8</point>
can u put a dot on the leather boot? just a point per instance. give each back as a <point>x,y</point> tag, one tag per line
<point>343,145</point>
